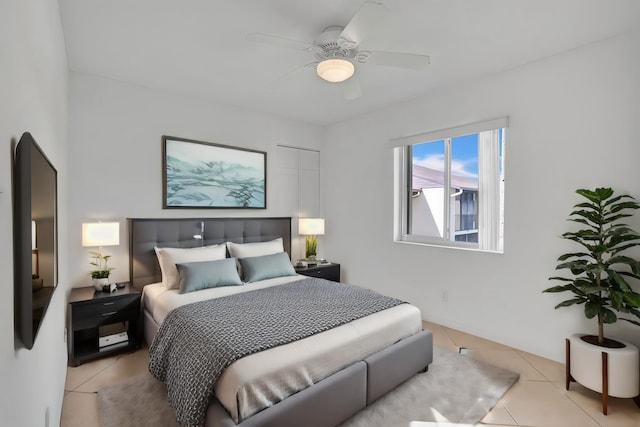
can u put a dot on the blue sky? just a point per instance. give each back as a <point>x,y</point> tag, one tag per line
<point>464,155</point>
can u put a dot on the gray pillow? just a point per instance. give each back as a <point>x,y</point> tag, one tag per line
<point>266,267</point>
<point>195,276</point>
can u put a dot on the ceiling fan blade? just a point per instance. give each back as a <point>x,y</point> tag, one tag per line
<point>351,89</point>
<point>365,20</point>
<point>277,81</point>
<point>278,41</point>
<point>395,59</point>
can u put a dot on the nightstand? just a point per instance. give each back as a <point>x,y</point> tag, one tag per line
<point>329,271</point>
<point>101,323</point>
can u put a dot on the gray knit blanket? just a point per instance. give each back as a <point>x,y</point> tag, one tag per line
<point>197,341</point>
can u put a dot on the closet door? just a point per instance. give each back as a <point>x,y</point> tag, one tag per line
<point>287,182</point>
<point>308,184</point>
<point>298,189</point>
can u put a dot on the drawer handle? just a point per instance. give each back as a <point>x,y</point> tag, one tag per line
<point>108,303</point>
<point>109,313</point>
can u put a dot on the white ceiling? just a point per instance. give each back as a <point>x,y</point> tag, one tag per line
<point>198,47</point>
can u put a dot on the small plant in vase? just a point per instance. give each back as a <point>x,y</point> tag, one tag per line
<point>311,245</point>
<point>600,278</point>
<point>101,272</point>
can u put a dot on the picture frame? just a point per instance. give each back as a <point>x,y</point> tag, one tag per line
<point>206,175</point>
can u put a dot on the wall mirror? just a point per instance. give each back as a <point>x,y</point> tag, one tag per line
<point>35,237</point>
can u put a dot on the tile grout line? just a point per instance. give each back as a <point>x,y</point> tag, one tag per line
<point>506,408</point>
<point>534,368</point>
<point>116,358</point>
<point>568,396</point>
<point>511,415</point>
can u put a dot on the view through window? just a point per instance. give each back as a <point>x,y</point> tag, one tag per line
<point>454,188</point>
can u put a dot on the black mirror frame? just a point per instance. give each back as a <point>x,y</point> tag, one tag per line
<point>26,327</point>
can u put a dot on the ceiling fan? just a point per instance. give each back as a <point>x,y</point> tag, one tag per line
<point>337,50</point>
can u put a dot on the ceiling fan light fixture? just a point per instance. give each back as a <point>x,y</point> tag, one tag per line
<point>335,70</point>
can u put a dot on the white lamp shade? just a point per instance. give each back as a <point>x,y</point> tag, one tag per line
<point>101,234</point>
<point>335,70</point>
<point>311,226</point>
<point>33,235</point>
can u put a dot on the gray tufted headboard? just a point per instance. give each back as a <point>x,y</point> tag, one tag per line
<point>146,233</point>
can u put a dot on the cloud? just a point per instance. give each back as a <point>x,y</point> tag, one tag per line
<point>458,167</point>
<point>433,161</point>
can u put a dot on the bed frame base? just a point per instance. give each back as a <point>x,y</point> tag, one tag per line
<point>345,393</point>
<point>327,403</point>
<point>341,395</point>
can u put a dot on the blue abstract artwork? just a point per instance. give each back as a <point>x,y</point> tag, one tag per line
<point>206,175</point>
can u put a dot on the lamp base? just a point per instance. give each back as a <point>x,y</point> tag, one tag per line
<point>311,243</point>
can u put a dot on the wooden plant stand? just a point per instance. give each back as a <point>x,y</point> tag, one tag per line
<point>605,376</point>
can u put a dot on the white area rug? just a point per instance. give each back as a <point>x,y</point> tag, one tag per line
<point>455,389</point>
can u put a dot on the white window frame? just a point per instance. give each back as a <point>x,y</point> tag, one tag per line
<point>490,226</point>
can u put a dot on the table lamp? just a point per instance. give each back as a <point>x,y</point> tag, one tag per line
<point>100,234</point>
<point>311,227</point>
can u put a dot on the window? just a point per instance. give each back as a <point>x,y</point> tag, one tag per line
<point>450,186</point>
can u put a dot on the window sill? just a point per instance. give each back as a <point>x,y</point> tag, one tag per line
<point>446,245</point>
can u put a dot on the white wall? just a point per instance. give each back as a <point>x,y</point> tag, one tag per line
<point>574,124</point>
<point>33,94</point>
<point>115,155</point>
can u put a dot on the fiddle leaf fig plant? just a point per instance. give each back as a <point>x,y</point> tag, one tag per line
<point>600,276</point>
<point>101,271</point>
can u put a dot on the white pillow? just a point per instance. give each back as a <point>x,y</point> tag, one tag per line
<point>169,257</point>
<point>249,250</point>
<point>246,250</point>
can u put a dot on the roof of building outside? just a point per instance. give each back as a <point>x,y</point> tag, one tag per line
<point>424,177</point>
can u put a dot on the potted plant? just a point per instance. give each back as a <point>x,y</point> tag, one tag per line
<point>600,278</point>
<point>310,248</point>
<point>101,272</point>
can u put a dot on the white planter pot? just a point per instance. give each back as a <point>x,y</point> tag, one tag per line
<point>623,367</point>
<point>98,284</point>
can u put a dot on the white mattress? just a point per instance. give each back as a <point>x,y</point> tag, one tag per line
<point>260,380</point>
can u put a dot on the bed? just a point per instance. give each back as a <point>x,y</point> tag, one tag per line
<point>338,368</point>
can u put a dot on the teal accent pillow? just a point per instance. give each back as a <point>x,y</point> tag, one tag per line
<point>266,267</point>
<point>195,276</point>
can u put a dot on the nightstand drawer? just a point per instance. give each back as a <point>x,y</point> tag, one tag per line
<point>322,271</point>
<point>95,313</point>
<point>102,306</point>
<point>86,320</point>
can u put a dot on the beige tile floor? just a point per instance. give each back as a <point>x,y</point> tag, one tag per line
<point>538,399</point>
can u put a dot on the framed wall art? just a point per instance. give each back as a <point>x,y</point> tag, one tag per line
<point>200,174</point>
